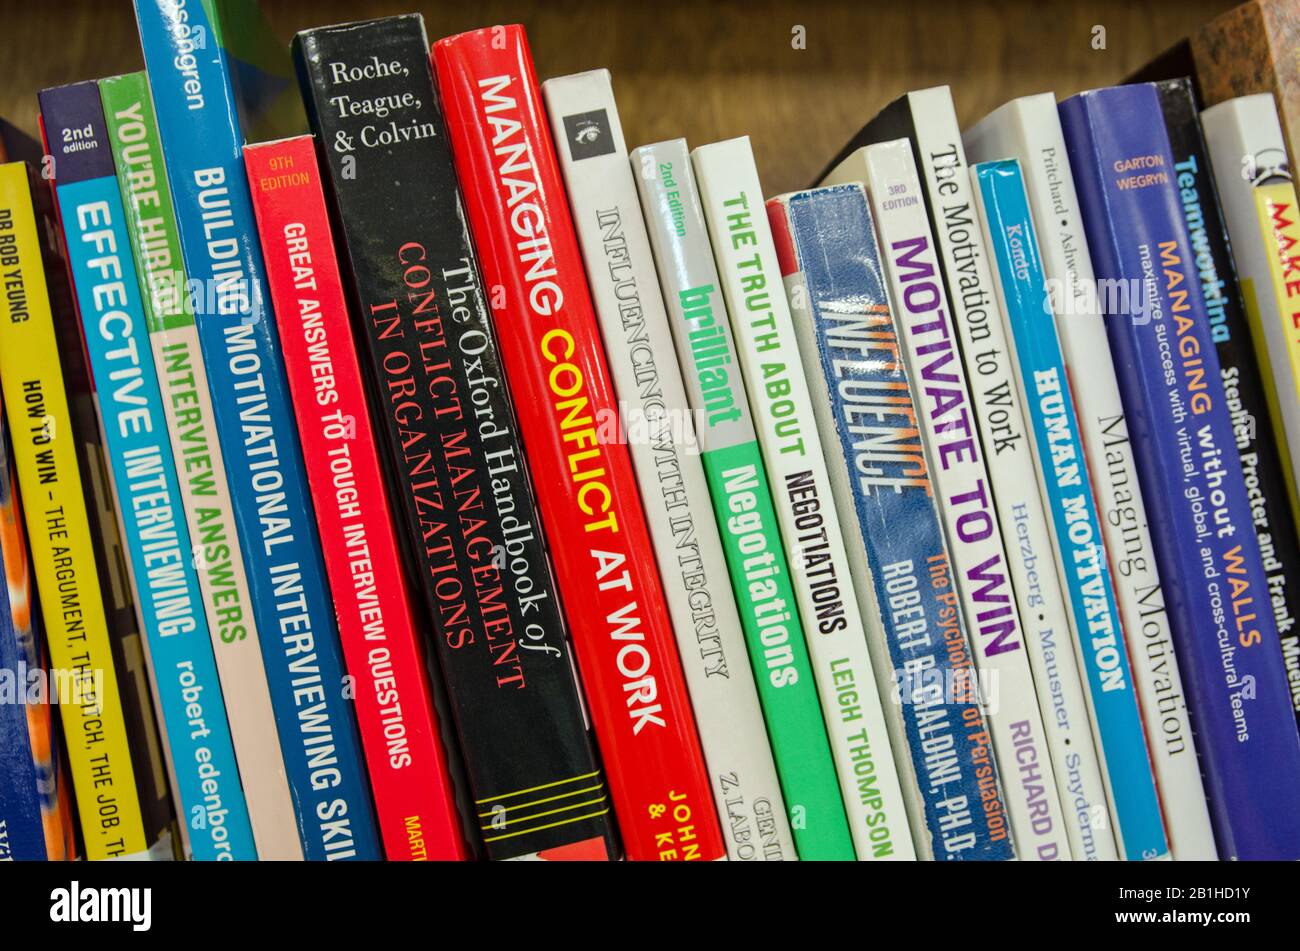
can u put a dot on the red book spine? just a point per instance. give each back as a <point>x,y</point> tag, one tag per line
<point>568,416</point>
<point>399,732</point>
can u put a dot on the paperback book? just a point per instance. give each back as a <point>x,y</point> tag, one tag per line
<point>742,497</point>
<point>213,816</point>
<point>660,433</point>
<point>586,488</point>
<point>880,478</point>
<point>1029,130</point>
<point>205,495</point>
<point>106,711</point>
<point>451,443</point>
<point>1076,527</point>
<point>1250,164</point>
<point>962,486</point>
<point>36,817</point>
<point>414,802</point>
<point>1173,394</point>
<point>200,125</point>
<point>751,277</point>
<point>1231,318</point>
<point>928,121</point>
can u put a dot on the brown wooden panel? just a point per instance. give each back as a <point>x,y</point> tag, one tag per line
<point>705,70</point>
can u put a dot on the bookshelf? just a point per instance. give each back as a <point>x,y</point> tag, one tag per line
<point>706,70</point>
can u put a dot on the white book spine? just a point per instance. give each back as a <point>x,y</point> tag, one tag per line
<point>219,560</point>
<point>810,528</point>
<point>655,413</point>
<point>1244,139</point>
<point>1029,129</point>
<point>963,485</point>
<point>1004,431</point>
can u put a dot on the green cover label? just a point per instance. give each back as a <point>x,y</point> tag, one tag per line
<point>760,576</point>
<point>147,198</point>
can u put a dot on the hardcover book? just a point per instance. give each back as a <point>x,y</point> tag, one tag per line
<point>660,434</point>
<point>1029,129</point>
<point>961,482</point>
<point>742,497</point>
<point>928,121</point>
<point>36,816</point>
<point>213,815</point>
<point>1245,388</point>
<point>751,277</point>
<point>414,801</point>
<point>1077,547</point>
<point>882,488</point>
<point>205,494</point>
<point>451,442</point>
<point>107,713</point>
<point>586,488</point>
<point>1173,394</point>
<point>202,113</point>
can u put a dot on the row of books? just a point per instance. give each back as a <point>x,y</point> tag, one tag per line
<point>453,481</point>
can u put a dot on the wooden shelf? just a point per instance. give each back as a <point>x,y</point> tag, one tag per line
<point>705,70</point>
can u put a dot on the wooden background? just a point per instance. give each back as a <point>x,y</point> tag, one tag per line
<point>705,70</point>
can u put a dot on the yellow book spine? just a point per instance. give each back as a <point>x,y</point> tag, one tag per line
<point>1275,205</point>
<point>63,555</point>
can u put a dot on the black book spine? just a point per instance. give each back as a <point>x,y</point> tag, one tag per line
<point>892,122</point>
<point>1244,387</point>
<point>453,450</point>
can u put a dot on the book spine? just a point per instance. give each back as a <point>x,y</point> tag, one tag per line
<point>881,482</point>
<point>961,483</point>
<point>1169,372</point>
<point>58,526</point>
<point>1062,473</point>
<point>1029,130</point>
<point>433,360</point>
<point>202,755</point>
<point>412,788</point>
<point>35,806</point>
<point>751,277</point>
<point>205,494</point>
<point>660,433</point>
<point>1244,387</point>
<point>1254,177</point>
<point>585,484</point>
<point>201,138</point>
<point>742,498</point>
<point>1275,213</point>
<point>941,160</point>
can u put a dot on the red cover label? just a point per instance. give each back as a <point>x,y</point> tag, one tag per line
<point>399,733</point>
<point>534,279</point>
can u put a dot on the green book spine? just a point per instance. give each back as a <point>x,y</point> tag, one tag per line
<point>742,501</point>
<point>169,304</point>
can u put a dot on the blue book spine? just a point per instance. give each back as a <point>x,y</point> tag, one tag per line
<point>144,476</point>
<point>199,125</point>
<point>863,376</point>
<point>1191,476</point>
<point>1076,526</point>
<point>27,780</point>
